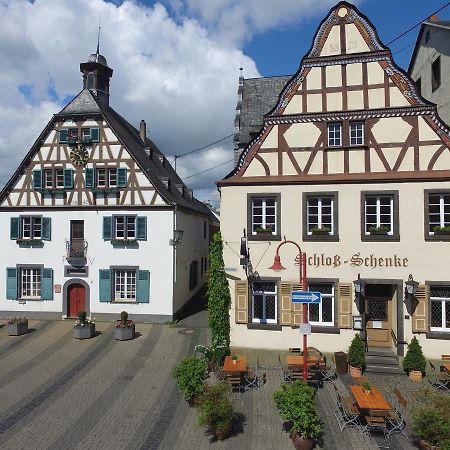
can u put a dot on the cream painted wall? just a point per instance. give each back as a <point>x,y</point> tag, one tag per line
<point>427,261</point>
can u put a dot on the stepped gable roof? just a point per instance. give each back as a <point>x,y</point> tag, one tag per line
<point>259,96</point>
<point>444,24</point>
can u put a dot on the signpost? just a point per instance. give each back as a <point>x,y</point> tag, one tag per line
<point>306,297</point>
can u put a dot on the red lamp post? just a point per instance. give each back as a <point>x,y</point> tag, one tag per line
<point>301,258</point>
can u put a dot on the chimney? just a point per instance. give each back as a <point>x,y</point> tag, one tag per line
<point>143,130</point>
<point>433,18</point>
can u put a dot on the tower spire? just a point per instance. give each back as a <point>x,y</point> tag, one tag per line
<point>98,36</point>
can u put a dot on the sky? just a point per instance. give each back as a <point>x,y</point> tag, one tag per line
<point>176,65</point>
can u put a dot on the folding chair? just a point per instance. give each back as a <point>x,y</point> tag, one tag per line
<point>347,413</point>
<point>329,373</point>
<point>396,415</point>
<point>440,380</point>
<point>377,421</point>
<point>235,382</point>
<point>286,375</point>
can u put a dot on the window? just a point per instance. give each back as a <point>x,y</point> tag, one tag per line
<point>48,178</point>
<point>264,215</point>
<point>31,227</point>
<point>436,73</point>
<point>124,285</point>
<point>104,177</point>
<point>356,130</point>
<point>59,178</point>
<point>322,313</point>
<point>112,177</point>
<point>73,134</point>
<point>379,214</point>
<point>30,283</point>
<point>100,177</point>
<point>439,308</point>
<point>334,134</point>
<point>264,302</point>
<point>125,227</point>
<point>193,275</point>
<point>438,212</point>
<point>28,228</point>
<point>419,85</point>
<point>319,215</point>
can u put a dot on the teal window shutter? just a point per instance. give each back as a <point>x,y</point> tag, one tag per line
<point>11,283</point>
<point>63,135</point>
<point>46,223</point>
<point>95,134</point>
<point>141,227</point>
<point>89,176</point>
<point>105,291</point>
<point>37,179</point>
<point>47,284</point>
<point>122,177</point>
<point>68,178</point>
<point>107,228</point>
<point>143,286</point>
<point>14,228</point>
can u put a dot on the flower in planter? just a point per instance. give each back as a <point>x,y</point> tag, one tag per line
<point>445,229</point>
<point>17,320</point>
<point>263,230</point>
<point>83,320</point>
<point>124,322</point>
<point>380,229</point>
<point>322,230</point>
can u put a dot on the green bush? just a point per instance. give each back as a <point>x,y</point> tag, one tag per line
<point>431,421</point>
<point>190,376</point>
<point>216,409</point>
<point>82,317</point>
<point>124,317</point>
<point>218,296</point>
<point>297,405</point>
<point>414,359</point>
<point>356,356</point>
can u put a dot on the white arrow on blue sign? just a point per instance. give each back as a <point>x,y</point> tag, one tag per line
<point>305,297</point>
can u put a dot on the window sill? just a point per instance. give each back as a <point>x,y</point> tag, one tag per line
<point>30,242</point>
<point>105,190</point>
<point>264,326</point>
<point>321,237</point>
<point>264,237</point>
<point>437,237</point>
<point>53,190</point>
<point>380,237</point>
<point>346,147</point>
<point>124,302</point>
<point>444,335</point>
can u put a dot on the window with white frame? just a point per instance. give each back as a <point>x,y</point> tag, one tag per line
<point>31,227</point>
<point>440,308</point>
<point>264,302</point>
<point>438,211</point>
<point>264,215</point>
<point>319,212</point>
<point>322,313</point>
<point>124,227</point>
<point>48,178</point>
<point>30,283</point>
<point>379,214</point>
<point>59,178</point>
<point>356,131</point>
<point>335,134</point>
<point>124,281</point>
<point>100,175</point>
<point>112,177</point>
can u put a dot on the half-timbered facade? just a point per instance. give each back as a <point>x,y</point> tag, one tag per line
<point>93,213</point>
<point>351,163</point>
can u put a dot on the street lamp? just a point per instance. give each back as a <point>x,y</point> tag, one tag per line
<point>177,236</point>
<point>360,287</point>
<point>301,258</point>
<point>410,291</point>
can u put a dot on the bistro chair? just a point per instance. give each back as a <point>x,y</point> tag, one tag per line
<point>377,422</point>
<point>396,416</point>
<point>329,372</point>
<point>235,381</point>
<point>286,375</point>
<point>440,380</point>
<point>347,413</point>
<point>251,377</point>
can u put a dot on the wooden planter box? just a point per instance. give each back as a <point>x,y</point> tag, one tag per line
<point>17,329</point>
<point>124,333</point>
<point>85,332</point>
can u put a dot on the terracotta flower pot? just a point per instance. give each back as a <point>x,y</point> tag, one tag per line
<point>415,375</point>
<point>234,361</point>
<point>300,443</point>
<point>222,434</point>
<point>367,391</point>
<point>355,372</point>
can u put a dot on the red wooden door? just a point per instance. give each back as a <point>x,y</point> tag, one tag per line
<point>76,301</point>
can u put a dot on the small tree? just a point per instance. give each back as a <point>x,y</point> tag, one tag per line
<point>356,356</point>
<point>82,317</point>
<point>218,297</point>
<point>190,376</point>
<point>414,358</point>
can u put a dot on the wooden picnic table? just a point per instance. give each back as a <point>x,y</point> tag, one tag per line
<point>296,360</point>
<point>374,400</point>
<point>240,366</point>
<point>446,366</point>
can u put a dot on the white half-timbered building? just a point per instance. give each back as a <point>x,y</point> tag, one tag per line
<point>94,213</point>
<point>349,161</point>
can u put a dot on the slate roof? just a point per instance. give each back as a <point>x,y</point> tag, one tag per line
<point>259,96</point>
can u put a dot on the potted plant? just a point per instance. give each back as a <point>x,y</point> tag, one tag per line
<point>356,356</point>
<point>234,357</point>
<point>297,406</point>
<point>17,326</point>
<point>441,230</point>
<point>322,230</point>
<point>367,387</point>
<point>414,361</point>
<point>216,410</point>
<point>124,329</point>
<point>262,230</point>
<point>84,328</point>
<point>383,229</point>
<point>190,376</point>
<point>431,421</point>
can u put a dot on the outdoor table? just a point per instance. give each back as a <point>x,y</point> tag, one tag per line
<point>374,400</point>
<point>446,366</point>
<point>296,360</point>
<point>240,366</point>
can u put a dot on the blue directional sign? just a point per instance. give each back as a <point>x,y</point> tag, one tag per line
<point>305,297</point>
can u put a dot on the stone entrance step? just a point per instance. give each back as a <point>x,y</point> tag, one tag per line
<point>382,360</point>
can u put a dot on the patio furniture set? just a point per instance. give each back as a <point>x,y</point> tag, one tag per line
<point>441,379</point>
<point>237,374</point>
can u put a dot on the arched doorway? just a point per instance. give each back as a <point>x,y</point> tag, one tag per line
<point>76,299</point>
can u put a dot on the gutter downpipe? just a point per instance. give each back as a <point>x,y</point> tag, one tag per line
<point>174,259</point>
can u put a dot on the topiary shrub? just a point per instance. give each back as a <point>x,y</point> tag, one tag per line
<point>297,406</point>
<point>218,296</point>
<point>414,358</point>
<point>82,317</point>
<point>216,410</point>
<point>124,317</point>
<point>356,356</point>
<point>190,376</point>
